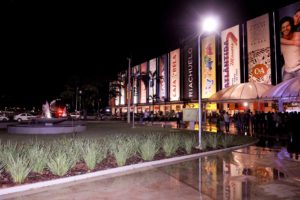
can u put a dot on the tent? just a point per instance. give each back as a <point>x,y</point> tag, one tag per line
<point>240,92</point>
<point>287,91</point>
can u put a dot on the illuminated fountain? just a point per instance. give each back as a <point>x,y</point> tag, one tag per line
<point>46,110</point>
<point>46,124</point>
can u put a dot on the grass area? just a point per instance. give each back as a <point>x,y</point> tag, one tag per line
<point>108,144</point>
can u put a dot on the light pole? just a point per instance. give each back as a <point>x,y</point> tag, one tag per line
<point>128,92</point>
<point>80,92</point>
<point>133,97</point>
<point>76,99</point>
<point>208,25</point>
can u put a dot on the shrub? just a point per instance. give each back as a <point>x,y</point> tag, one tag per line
<point>170,144</point>
<point>59,163</point>
<point>148,148</point>
<point>19,167</point>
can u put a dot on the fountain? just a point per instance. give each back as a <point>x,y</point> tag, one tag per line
<point>46,124</point>
<point>46,110</point>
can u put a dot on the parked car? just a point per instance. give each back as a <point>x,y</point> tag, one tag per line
<point>3,118</point>
<point>75,115</point>
<point>24,117</point>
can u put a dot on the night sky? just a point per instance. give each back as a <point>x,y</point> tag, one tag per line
<point>44,44</point>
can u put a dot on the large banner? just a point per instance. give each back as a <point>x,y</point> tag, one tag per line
<point>123,94</point>
<point>289,29</point>
<point>190,72</point>
<point>117,90</point>
<point>259,52</point>
<point>208,65</point>
<point>152,80</point>
<point>163,77</point>
<point>135,72</point>
<point>175,75</point>
<point>143,89</point>
<point>230,57</point>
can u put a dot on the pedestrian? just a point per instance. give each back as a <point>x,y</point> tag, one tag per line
<point>178,119</point>
<point>226,121</point>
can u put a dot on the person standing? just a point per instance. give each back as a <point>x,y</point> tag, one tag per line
<point>226,121</point>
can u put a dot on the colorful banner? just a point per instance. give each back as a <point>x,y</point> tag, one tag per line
<point>123,94</point>
<point>117,88</point>
<point>143,89</point>
<point>152,81</point>
<point>175,75</point>
<point>135,72</point>
<point>190,72</point>
<point>117,99</point>
<point>163,77</point>
<point>259,52</point>
<point>289,29</point>
<point>208,65</point>
<point>230,57</point>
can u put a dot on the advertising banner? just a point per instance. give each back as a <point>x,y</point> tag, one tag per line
<point>208,65</point>
<point>259,52</point>
<point>190,72</point>
<point>289,29</point>
<point>143,89</point>
<point>152,81</point>
<point>135,71</point>
<point>175,75</point>
<point>117,99</point>
<point>163,76</point>
<point>123,94</point>
<point>230,57</point>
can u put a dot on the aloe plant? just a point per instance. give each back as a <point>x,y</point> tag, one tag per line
<point>148,148</point>
<point>170,144</point>
<point>19,167</point>
<point>60,163</point>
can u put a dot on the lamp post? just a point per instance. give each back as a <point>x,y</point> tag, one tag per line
<point>80,93</point>
<point>128,92</point>
<point>208,25</point>
<point>76,99</point>
<point>133,97</point>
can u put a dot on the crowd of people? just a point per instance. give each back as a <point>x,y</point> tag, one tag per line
<point>271,123</point>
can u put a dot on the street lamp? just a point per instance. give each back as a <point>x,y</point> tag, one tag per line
<point>76,99</point>
<point>80,93</point>
<point>128,91</point>
<point>208,25</point>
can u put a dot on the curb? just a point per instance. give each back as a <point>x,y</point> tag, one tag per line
<point>114,171</point>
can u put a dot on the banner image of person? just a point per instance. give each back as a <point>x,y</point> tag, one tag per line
<point>143,89</point>
<point>152,81</point>
<point>163,77</point>
<point>175,75</point>
<point>230,57</point>
<point>259,52</point>
<point>289,29</point>
<point>135,72</point>
<point>208,65</point>
<point>190,72</point>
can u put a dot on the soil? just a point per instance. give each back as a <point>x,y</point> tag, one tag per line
<point>81,168</point>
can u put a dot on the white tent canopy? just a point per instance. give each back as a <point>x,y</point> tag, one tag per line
<point>238,92</point>
<point>288,90</point>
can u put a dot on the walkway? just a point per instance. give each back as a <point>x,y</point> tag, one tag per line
<point>249,173</point>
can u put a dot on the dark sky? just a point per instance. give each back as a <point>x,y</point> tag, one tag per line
<point>45,43</point>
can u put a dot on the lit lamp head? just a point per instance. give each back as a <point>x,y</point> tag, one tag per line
<point>209,24</point>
